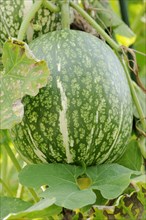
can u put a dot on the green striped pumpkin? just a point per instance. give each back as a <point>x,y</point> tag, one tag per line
<point>84,114</point>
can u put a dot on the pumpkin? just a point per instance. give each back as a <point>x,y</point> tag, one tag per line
<point>84,114</point>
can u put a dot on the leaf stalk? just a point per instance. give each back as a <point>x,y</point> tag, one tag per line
<point>12,156</point>
<point>6,187</point>
<point>18,167</point>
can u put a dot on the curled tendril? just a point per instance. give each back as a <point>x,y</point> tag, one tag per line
<point>134,69</point>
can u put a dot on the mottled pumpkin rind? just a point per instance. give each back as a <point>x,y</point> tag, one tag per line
<point>84,115</point>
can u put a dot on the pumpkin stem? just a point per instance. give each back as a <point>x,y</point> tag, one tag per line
<point>65,14</point>
<point>28,18</point>
<point>49,5</point>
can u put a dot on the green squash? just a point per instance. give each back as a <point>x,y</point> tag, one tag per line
<point>84,114</point>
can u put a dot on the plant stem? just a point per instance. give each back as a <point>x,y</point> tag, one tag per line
<point>20,191</point>
<point>65,15</point>
<point>12,156</point>
<point>28,18</point>
<point>4,164</point>
<point>93,23</point>
<point>18,167</point>
<point>50,6</point>
<point>134,95</point>
<point>6,187</point>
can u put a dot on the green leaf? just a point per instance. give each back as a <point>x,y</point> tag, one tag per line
<point>110,179</point>
<point>41,209</point>
<point>23,75</point>
<point>132,157</point>
<point>9,205</point>
<point>66,182</point>
<point>62,181</point>
<point>106,17</point>
<point>70,197</point>
<point>49,174</point>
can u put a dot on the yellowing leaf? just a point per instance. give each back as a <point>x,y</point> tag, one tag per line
<point>84,183</point>
<point>126,41</point>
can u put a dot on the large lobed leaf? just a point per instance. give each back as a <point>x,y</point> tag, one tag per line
<point>111,179</point>
<point>62,181</point>
<point>23,74</point>
<point>64,185</point>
